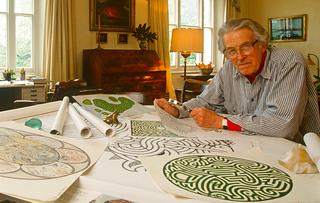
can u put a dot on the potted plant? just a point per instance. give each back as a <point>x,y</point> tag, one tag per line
<point>143,34</point>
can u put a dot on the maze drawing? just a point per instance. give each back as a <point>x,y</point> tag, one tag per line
<point>150,129</point>
<point>29,156</point>
<point>228,178</point>
<point>129,148</point>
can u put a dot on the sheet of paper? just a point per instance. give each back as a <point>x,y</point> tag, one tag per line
<point>228,177</point>
<point>102,105</point>
<point>30,111</point>
<point>32,160</point>
<point>125,172</point>
<point>185,127</point>
<point>313,147</point>
<point>77,195</point>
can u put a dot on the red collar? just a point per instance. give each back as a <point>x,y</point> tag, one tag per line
<point>254,75</point>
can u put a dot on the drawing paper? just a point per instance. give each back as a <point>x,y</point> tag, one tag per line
<point>41,166</point>
<point>249,176</point>
<point>102,105</point>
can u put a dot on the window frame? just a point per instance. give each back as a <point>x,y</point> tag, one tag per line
<point>178,67</point>
<point>37,19</point>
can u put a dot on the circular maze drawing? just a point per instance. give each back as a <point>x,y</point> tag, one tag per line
<point>29,156</point>
<point>228,178</point>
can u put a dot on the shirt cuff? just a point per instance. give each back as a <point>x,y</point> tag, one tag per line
<point>232,126</point>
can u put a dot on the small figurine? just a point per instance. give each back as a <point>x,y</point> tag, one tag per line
<point>112,118</point>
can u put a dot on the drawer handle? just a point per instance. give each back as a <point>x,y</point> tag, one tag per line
<point>34,95</point>
<point>33,90</point>
<point>34,99</point>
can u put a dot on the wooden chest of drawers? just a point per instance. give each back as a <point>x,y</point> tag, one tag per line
<point>117,71</point>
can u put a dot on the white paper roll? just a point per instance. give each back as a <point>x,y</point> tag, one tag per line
<point>312,141</point>
<point>94,120</point>
<point>60,118</point>
<point>82,126</point>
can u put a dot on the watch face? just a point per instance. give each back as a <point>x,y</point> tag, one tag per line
<point>225,122</point>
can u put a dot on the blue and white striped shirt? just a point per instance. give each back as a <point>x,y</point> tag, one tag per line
<point>281,102</point>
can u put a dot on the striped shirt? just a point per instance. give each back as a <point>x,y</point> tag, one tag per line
<point>281,102</point>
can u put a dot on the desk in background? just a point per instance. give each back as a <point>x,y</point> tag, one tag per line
<point>19,90</point>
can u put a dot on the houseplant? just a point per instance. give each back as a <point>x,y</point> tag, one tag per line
<point>143,34</point>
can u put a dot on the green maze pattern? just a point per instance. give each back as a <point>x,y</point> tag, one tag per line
<point>124,105</point>
<point>228,178</point>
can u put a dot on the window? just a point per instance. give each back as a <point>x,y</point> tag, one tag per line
<point>192,14</point>
<point>17,34</point>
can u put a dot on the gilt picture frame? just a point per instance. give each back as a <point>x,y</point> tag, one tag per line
<point>115,16</point>
<point>287,29</point>
<point>122,39</point>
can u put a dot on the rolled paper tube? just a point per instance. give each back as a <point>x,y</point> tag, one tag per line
<point>81,125</point>
<point>60,118</point>
<point>94,120</point>
<point>312,141</point>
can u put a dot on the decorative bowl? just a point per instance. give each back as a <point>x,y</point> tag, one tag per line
<point>205,71</point>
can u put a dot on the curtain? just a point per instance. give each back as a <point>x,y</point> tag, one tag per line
<point>233,7</point>
<point>59,58</point>
<point>159,22</point>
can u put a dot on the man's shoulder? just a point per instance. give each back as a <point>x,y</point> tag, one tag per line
<point>285,55</point>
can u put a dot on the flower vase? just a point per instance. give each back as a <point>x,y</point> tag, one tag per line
<point>143,44</point>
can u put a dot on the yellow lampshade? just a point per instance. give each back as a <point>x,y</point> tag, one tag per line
<point>309,61</point>
<point>187,40</point>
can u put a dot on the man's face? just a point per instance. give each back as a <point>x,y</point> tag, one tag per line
<point>246,64</point>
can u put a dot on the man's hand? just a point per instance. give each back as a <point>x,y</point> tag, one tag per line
<point>164,104</point>
<point>206,118</point>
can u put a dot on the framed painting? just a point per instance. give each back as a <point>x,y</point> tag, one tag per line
<point>287,29</point>
<point>112,16</point>
<point>103,38</point>
<point>122,38</point>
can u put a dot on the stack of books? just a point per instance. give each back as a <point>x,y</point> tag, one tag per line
<point>39,80</point>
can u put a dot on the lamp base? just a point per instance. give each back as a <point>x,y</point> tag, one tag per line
<point>185,55</point>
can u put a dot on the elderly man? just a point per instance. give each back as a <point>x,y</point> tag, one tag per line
<point>258,90</point>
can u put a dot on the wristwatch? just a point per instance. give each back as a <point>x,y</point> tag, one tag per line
<point>225,123</point>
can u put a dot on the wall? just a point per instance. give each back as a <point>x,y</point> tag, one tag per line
<point>86,39</point>
<point>261,10</point>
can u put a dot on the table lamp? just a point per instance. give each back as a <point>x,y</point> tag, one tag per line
<point>186,41</point>
<point>310,62</point>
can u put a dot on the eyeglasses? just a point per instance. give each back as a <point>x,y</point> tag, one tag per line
<point>245,49</point>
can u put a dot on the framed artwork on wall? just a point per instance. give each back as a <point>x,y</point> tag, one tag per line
<point>103,38</point>
<point>287,29</point>
<point>122,39</point>
<point>118,15</point>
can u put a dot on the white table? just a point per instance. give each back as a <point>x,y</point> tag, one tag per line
<point>119,177</point>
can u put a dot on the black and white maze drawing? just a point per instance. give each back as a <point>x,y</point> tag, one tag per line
<point>129,148</point>
<point>228,178</point>
<point>150,129</point>
<point>120,128</point>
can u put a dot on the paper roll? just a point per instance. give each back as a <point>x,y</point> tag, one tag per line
<point>312,141</point>
<point>81,125</point>
<point>94,120</point>
<point>60,118</point>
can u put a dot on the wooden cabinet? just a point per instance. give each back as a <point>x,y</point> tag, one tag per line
<point>119,71</point>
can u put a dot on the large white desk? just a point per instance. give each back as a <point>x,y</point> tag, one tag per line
<point>124,177</point>
<point>18,90</point>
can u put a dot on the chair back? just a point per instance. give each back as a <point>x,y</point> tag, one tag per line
<point>68,88</point>
<point>191,88</point>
